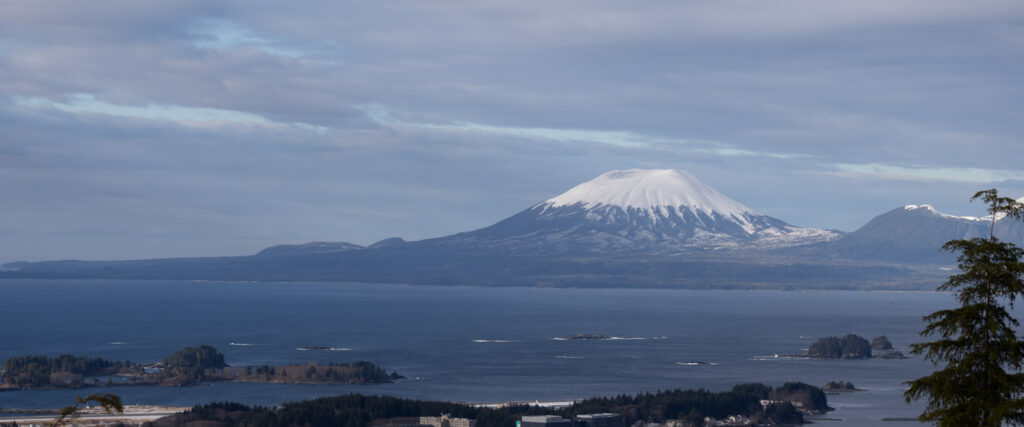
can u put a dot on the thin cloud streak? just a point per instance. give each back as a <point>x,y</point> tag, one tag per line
<point>624,139</point>
<point>184,116</point>
<point>964,175</point>
<point>224,35</point>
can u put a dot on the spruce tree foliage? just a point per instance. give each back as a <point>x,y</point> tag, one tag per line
<point>110,403</point>
<point>981,383</point>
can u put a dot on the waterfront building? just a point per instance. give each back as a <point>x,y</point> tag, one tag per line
<point>599,420</point>
<point>543,421</point>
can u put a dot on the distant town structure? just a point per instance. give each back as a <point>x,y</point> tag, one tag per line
<point>544,421</point>
<point>599,420</point>
<point>732,420</point>
<point>446,421</point>
<point>442,421</point>
<point>796,404</point>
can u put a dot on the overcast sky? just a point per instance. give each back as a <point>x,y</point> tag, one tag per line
<point>133,129</point>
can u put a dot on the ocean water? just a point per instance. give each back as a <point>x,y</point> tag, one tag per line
<point>468,344</point>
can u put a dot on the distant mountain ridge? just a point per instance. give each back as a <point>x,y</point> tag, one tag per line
<point>915,234</point>
<point>627,228</point>
<point>309,248</point>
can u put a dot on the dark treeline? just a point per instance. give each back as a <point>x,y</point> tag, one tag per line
<point>369,372</point>
<point>361,372</point>
<point>358,410</point>
<point>190,365</point>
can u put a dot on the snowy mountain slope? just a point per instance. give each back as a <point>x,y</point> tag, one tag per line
<point>638,210</point>
<point>916,233</point>
<point>649,189</point>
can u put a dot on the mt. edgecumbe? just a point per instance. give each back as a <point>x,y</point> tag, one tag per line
<point>638,210</point>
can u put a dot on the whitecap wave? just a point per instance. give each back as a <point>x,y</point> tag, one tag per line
<point>603,339</point>
<point>240,344</point>
<point>116,343</point>
<point>697,363</point>
<point>805,337</point>
<point>768,357</point>
<point>568,357</point>
<point>339,349</point>
<point>659,338</point>
<point>777,357</point>
<point>490,341</point>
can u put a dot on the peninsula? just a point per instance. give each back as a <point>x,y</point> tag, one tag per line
<point>188,366</point>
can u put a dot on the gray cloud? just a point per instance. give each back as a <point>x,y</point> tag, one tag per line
<point>197,128</point>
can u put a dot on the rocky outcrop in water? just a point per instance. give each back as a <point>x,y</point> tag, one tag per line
<point>585,337</point>
<point>881,343</point>
<point>839,386</point>
<point>850,346</point>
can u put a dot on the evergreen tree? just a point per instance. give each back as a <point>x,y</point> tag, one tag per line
<point>981,383</point>
<point>111,403</point>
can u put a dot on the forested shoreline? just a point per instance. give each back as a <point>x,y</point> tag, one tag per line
<point>188,366</point>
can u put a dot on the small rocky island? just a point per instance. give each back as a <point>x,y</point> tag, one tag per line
<point>881,348</point>
<point>839,387</point>
<point>188,366</point>
<point>586,337</point>
<point>852,346</point>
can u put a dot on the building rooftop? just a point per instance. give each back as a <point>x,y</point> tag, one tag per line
<point>542,418</point>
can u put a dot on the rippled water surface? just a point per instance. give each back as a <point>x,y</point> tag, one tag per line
<point>470,344</point>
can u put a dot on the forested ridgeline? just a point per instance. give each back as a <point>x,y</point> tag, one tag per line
<point>360,372</point>
<point>359,410</point>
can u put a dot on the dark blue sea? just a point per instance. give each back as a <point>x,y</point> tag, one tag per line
<point>470,344</point>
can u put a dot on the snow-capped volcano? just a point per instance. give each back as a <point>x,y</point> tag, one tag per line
<point>640,210</point>
<point>656,193</point>
<point>648,188</point>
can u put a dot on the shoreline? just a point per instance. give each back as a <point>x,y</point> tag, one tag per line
<point>647,288</point>
<point>133,414</point>
<point>553,404</point>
